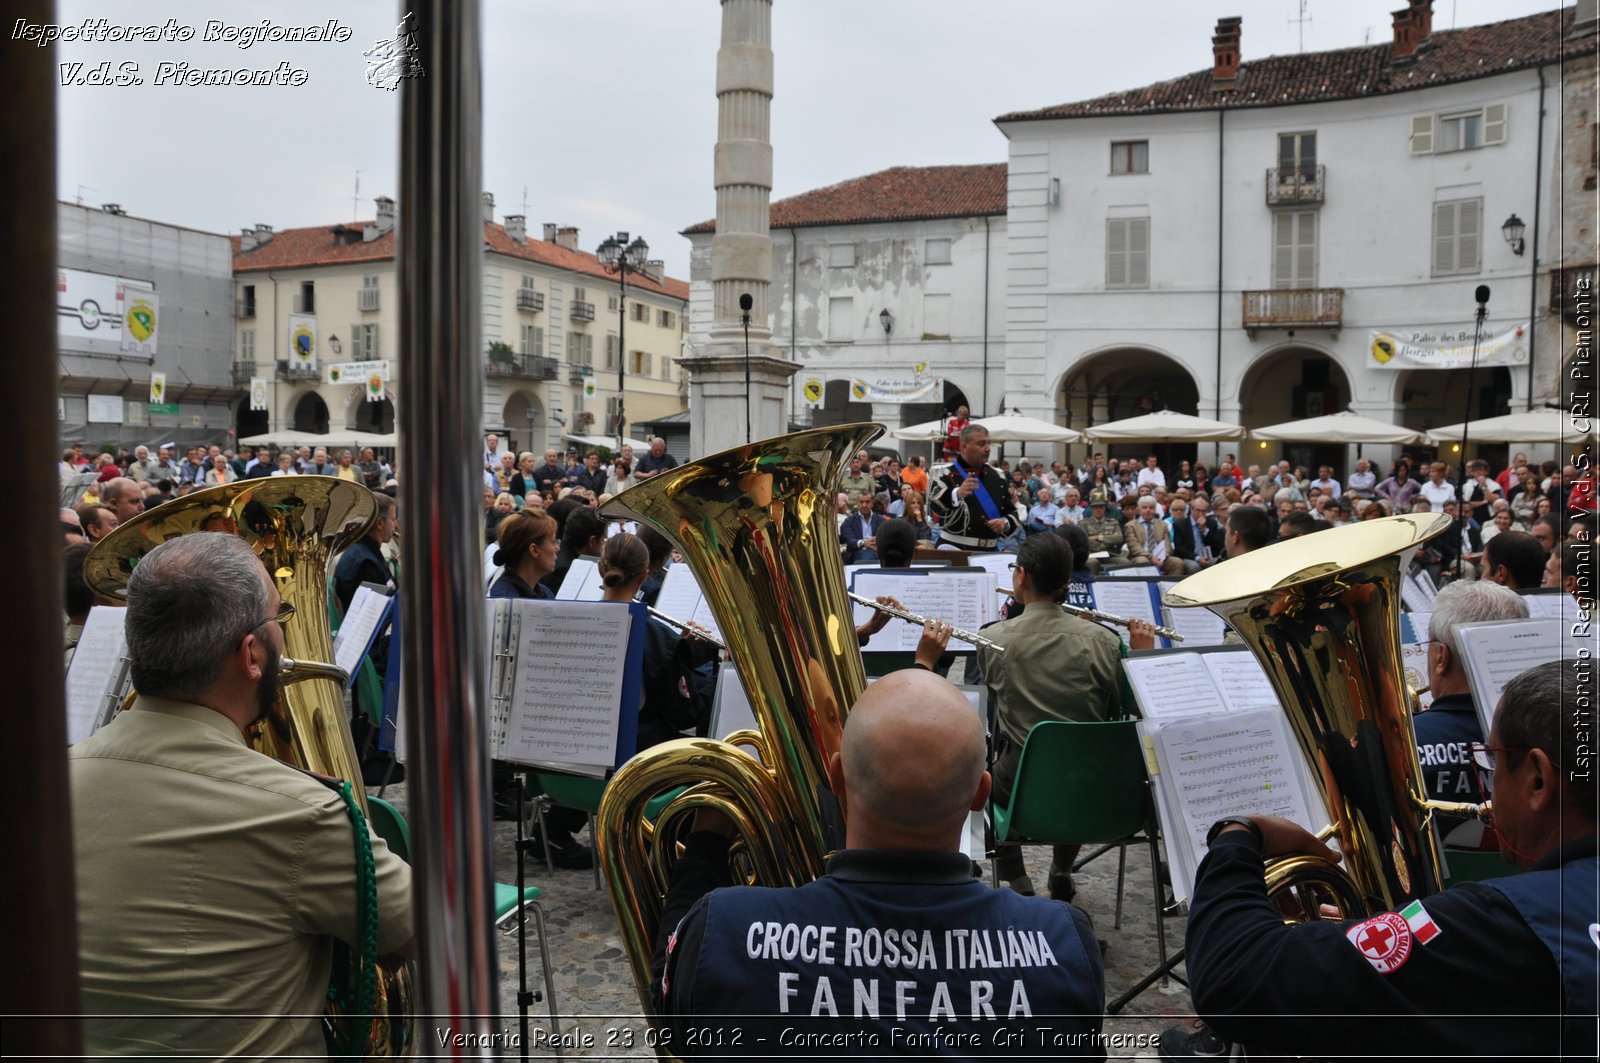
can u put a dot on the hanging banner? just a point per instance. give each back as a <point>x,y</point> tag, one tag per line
<point>916,388</point>
<point>350,372</point>
<point>258,393</point>
<point>303,341</point>
<point>158,388</point>
<point>812,390</point>
<point>588,387</point>
<point>140,319</point>
<point>375,386</point>
<point>1421,349</point>
<point>89,307</point>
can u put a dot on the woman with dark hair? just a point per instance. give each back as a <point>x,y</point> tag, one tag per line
<point>1185,476</point>
<point>1100,479</point>
<point>527,550</point>
<point>1399,489</point>
<point>1202,479</point>
<point>917,517</point>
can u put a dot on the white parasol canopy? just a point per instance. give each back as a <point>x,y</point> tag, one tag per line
<point>1533,426</point>
<point>926,432</point>
<point>1343,427</point>
<point>1015,428</point>
<point>289,438</point>
<point>1164,426</point>
<point>609,441</point>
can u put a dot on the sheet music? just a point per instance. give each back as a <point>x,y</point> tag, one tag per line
<point>1551,603</point>
<point>680,598</point>
<point>582,582</point>
<point>1414,627</point>
<point>1130,598</point>
<point>567,694</point>
<point>1199,627</point>
<point>360,623</point>
<point>965,598</point>
<point>1000,566</point>
<point>1171,685</point>
<point>1416,594</point>
<point>1414,662</point>
<point>1216,766</point>
<point>1131,571</point>
<point>1496,652</point>
<point>100,650</point>
<point>1241,681</point>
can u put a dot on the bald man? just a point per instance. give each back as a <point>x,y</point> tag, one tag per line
<point>897,948</point>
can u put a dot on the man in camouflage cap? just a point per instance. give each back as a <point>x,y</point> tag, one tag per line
<point>1104,532</point>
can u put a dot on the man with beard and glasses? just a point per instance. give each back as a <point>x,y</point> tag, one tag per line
<point>212,880</point>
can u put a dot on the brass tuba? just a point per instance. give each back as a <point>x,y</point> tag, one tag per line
<point>295,524</point>
<point>1322,615</point>
<point>757,526</point>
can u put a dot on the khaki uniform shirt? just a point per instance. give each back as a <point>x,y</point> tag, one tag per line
<point>1055,667</point>
<point>1105,533</point>
<point>212,881</point>
<point>854,485</point>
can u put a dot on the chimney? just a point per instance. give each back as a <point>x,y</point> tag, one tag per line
<point>385,223</point>
<point>549,232</point>
<point>1225,53</point>
<point>113,208</point>
<point>253,237</point>
<point>1405,35</point>
<point>488,206</point>
<point>517,227</point>
<point>655,269</point>
<point>1422,19</point>
<point>567,237</point>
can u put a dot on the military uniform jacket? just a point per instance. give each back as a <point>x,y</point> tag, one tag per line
<point>890,952</point>
<point>1460,974</point>
<point>964,523</point>
<point>1054,667</point>
<point>1105,533</point>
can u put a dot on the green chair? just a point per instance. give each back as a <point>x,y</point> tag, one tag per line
<point>510,904</point>
<point>1085,783</point>
<point>1473,865</point>
<point>571,791</point>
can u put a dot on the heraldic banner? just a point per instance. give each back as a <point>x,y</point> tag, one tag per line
<point>1422,349</point>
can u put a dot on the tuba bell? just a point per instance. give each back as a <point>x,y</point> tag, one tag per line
<point>1322,615</point>
<point>295,524</point>
<point>757,526</point>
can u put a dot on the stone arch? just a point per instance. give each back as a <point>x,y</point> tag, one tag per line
<point>524,418</point>
<point>310,413</point>
<point>1121,381</point>
<point>373,416</point>
<point>248,422</point>
<point>1428,398</point>
<point>1290,382</point>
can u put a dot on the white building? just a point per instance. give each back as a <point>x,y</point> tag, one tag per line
<point>1224,243</point>
<point>882,284</point>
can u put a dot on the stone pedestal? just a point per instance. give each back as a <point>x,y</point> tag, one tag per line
<point>719,398</point>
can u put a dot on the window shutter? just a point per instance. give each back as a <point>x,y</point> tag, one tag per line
<point>538,341</point>
<point>1422,135</point>
<point>1306,250</point>
<point>1494,124</point>
<point>1139,252</point>
<point>1116,253</point>
<point>1141,156</point>
<point>372,343</point>
<point>1283,250</point>
<point>1444,238</point>
<point>1469,239</point>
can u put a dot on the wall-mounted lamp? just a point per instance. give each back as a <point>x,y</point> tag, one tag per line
<point>334,345</point>
<point>1512,230</point>
<point>1055,191</point>
<point>887,320</point>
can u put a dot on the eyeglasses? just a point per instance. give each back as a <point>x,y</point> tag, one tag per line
<point>285,611</point>
<point>1483,756</point>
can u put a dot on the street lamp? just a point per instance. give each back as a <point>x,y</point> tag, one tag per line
<point>1512,230</point>
<point>619,256</point>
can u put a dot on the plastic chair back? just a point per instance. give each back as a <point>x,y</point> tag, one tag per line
<point>390,825</point>
<point>1077,782</point>
<point>1472,865</point>
<point>572,791</point>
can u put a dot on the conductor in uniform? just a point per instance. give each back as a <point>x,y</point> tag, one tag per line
<point>970,498</point>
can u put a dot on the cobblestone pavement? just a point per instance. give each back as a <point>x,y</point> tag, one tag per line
<point>598,1004</point>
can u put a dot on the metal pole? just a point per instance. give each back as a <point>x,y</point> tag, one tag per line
<point>440,253</point>
<point>622,337</point>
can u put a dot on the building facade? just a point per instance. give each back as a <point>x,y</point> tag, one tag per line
<point>888,290</point>
<point>550,332</point>
<point>139,300</point>
<point>1228,243</point>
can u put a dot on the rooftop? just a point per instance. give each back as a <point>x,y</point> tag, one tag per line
<point>902,193</point>
<point>1445,56</point>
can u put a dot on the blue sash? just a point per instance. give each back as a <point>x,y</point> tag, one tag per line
<point>990,510</point>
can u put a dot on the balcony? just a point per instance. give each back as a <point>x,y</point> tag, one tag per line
<point>1288,308</point>
<point>1292,185</point>
<point>244,309</point>
<point>577,374</point>
<point>530,366</point>
<point>581,311</point>
<point>528,299</point>
<point>367,299</point>
<point>296,371</point>
<point>243,373</point>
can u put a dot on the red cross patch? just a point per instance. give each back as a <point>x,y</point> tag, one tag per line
<point>1384,940</point>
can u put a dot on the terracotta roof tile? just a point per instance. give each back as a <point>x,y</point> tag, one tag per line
<point>903,193</point>
<point>321,246</point>
<point>1348,73</point>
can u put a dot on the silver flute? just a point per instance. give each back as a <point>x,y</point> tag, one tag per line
<point>694,631</point>
<point>1107,618</point>
<point>955,632</point>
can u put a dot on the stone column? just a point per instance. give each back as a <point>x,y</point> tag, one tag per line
<point>741,251</point>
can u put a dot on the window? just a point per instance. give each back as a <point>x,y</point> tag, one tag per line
<point>527,281</point>
<point>307,303</point>
<point>666,369</point>
<point>936,317</point>
<point>1130,156</point>
<point>581,295</point>
<point>580,348</point>
<point>533,341</point>
<point>611,353</point>
<point>1297,157</point>
<point>1294,249</point>
<point>841,308</point>
<point>611,303</point>
<point>247,301</point>
<point>841,256</point>
<point>936,252</point>
<point>640,312</point>
<point>1457,236</point>
<point>664,318</point>
<point>370,280</point>
<point>639,362</point>
<point>1127,252</point>
<point>1458,130</point>
<point>247,345</point>
<point>364,343</point>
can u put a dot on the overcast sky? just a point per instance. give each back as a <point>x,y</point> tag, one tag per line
<point>602,113</point>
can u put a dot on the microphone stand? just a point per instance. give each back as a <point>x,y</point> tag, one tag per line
<point>1482,295</point>
<point>745,302</point>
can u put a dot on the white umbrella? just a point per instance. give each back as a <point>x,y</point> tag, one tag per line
<point>1165,425</point>
<point>608,441</point>
<point>374,439</point>
<point>926,432</point>
<point>288,438</point>
<point>1342,427</point>
<point>1015,428</point>
<point>1534,426</point>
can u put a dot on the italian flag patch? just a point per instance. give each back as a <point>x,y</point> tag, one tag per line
<point>1423,928</point>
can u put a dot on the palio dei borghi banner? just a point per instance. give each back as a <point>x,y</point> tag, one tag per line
<point>99,312</point>
<point>1440,349</point>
